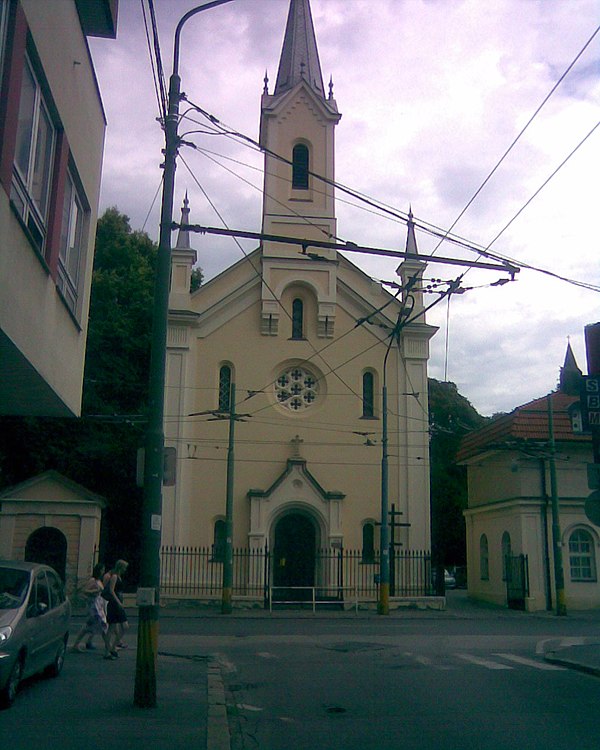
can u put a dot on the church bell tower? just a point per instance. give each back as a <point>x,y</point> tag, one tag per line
<point>297,132</point>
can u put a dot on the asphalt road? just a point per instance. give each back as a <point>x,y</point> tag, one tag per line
<point>432,681</point>
<point>429,692</point>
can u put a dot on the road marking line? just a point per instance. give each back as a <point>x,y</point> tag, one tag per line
<point>483,662</point>
<point>529,662</point>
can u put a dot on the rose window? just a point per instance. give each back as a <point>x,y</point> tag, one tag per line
<point>296,388</point>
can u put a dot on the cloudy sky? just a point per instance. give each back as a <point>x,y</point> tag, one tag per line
<point>432,94</point>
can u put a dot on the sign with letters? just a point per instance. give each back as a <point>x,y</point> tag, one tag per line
<point>590,402</point>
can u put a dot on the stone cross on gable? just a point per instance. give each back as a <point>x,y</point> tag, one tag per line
<point>296,442</point>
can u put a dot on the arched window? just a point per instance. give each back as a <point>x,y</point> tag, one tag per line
<point>582,556</point>
<point>484,559</point>
<point>368,395</point>
<point>506,554</point>
<point>218,550</point>
<point>368,543</point>
<point>300,167</point>
<point>224,388</point>
<point>297,319</point>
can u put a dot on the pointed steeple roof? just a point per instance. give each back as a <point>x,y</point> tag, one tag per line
<point>299,55</point>
<point>570,374</point>
<point>183,238</point>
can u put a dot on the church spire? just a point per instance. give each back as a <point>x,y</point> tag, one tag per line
<point>299,55</point>
<point>570,374</point>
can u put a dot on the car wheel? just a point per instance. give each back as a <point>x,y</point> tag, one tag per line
<point>9,692</point>
<point>56,667</point>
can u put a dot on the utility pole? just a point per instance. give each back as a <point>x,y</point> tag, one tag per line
<point>232,417</point>
<point>226,603</point>
<point>148,593</point>
<point>559,578</point>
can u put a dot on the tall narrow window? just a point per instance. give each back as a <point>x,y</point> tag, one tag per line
<point>484,560</point>
<point>218,550</point>
<point>300,167</point>
<point>368,395</point>
<point>506,555</point>
<point>224,388</point>
<point>582,561</point>
<point>33,157</point>
<point>297,319</point>
<point>368,543</point>
<point>3,19</point>
<point>71,245</point>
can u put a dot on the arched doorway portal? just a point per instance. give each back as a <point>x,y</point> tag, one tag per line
<point>48,545</point>
<point>294,551</point>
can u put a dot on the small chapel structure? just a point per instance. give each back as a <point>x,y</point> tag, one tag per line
<point>277,366</point>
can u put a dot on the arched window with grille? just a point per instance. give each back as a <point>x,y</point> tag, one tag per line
<point>297,319</point>
<point>300,167</point>
<point>368,542</point>
<point>484,558</point>
<point>582,556</point>
<point>224,388</point>
<point>368,395</point>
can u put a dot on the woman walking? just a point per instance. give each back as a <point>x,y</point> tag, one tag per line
<point>96,620</point>
<point>115,611</point>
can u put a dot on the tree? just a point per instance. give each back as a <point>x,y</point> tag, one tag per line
<point>450,417</point>
<point>99,449</point>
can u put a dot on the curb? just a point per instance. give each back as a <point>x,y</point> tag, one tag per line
<point>217,726</point>
<point>552,658</point>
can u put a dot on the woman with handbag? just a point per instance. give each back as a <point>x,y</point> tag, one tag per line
<point>115,611</point>
<point>96,619</point>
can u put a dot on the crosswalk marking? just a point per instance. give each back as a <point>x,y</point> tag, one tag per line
<point>530,662</point>
<point>483,662</point>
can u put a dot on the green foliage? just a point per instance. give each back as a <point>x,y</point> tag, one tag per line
<point>197,279</point>
<point>118,344</point>
<point>451,416</point>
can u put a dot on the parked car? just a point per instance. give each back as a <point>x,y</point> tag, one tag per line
<point>449,580</point>
<point>34,624</point>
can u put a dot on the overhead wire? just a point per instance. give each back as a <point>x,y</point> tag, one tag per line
<point>513,144</point>
<point>419,224</point>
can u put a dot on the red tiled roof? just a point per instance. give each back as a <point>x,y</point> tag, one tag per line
<point>526,422</point>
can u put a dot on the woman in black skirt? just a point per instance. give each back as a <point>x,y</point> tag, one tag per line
<point>115,611</point>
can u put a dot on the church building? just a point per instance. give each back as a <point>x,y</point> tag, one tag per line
<point>276,367</point>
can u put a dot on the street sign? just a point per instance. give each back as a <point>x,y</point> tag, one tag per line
<point>592,507</point>
<point>590,402</point>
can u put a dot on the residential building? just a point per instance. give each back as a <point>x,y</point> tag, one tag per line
<point>52,127</point>
<point>510,556</point>
<point>304,336</point>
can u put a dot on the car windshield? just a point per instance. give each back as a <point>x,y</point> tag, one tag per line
<point>13,587</point>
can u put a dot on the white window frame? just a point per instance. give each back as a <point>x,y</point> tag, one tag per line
<point>34,209</point>
<point>581,559</point>
<point>72,247</point>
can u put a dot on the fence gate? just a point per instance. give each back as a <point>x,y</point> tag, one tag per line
<point>517,581</point>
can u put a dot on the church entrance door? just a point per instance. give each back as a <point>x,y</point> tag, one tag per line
<point>294,554</point>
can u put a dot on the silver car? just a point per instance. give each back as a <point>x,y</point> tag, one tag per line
<point>34,624</point>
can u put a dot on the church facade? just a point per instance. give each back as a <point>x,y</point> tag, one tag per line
<point>276,367</point>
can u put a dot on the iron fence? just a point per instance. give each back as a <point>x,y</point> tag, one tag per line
<point>197,572</point>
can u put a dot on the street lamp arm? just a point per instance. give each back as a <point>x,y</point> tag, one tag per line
<point>180,25</point>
